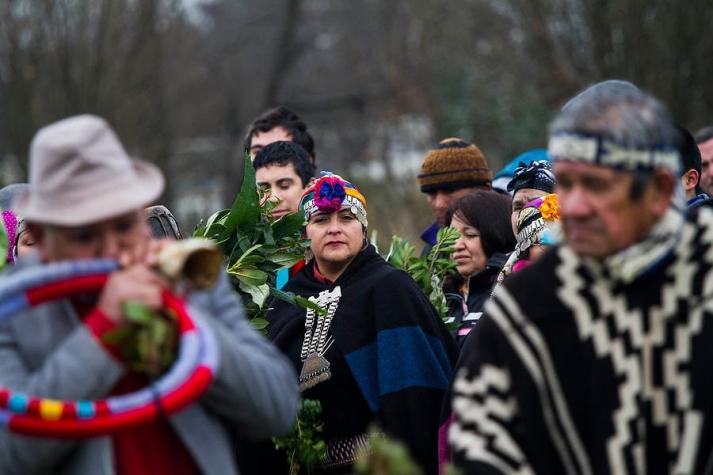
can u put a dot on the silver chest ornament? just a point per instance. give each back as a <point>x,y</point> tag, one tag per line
<point>315,367</point>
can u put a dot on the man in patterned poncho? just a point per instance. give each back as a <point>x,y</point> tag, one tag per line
<point>598,359</point>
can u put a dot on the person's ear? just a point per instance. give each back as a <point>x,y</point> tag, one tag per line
<point>690,179</point>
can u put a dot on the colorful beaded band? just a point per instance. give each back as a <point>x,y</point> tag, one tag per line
<point>187,379</point>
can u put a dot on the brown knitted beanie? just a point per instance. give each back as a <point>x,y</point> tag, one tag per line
<point>454,164</point>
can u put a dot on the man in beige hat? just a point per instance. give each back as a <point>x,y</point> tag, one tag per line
<point>86,200</point>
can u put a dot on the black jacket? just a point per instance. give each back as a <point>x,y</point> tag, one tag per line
<point>464,312</point>
<point>392,356</point>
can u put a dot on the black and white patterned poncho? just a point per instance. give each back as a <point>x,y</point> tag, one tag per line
<point>584,368</point>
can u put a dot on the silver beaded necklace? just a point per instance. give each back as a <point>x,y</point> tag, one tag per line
<point>317,340</point>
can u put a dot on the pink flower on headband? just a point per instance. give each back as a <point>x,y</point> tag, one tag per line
<point>329,194</point>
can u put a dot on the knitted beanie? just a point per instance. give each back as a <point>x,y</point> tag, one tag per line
<point>454,164</point>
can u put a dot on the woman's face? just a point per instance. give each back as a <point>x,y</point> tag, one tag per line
<point>336,238</point>
<point>468,255</point>
<point>520,200</point>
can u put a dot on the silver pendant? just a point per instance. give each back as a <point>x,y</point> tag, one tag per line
<point>315,370</point>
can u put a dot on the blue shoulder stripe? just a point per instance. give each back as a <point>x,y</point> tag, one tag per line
<point>400,358</point>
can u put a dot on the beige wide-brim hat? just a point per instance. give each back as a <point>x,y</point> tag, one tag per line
<point>80,174</point>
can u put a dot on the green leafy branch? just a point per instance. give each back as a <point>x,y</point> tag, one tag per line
<point>256,246</point>
<point>430,271</point>
<point>305,447</point>
<point>148,342</point>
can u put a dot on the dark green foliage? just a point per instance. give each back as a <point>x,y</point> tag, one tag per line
<point>386,456</point>
<point>304,446</point>
<point>256,246</point>
<point>431,271</point>
<point>148,341</point>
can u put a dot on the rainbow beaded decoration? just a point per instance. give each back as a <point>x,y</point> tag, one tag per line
<point>186,380</point>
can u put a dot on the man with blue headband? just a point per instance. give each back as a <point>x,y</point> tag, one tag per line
<point>596,359</point>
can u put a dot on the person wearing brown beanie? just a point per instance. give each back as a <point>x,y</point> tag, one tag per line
<point>450,171</point>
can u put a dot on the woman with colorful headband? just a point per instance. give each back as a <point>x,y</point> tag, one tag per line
<point>379,353</point>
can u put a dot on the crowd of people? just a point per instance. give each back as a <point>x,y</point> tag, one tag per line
<point>576,338</point>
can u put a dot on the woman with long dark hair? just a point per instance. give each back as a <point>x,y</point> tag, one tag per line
<point>486,239</point>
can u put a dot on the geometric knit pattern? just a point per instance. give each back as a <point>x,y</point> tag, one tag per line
<point>575,372</point>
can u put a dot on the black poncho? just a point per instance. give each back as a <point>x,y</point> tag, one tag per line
<point>392,356</point>
<point>581,368</point>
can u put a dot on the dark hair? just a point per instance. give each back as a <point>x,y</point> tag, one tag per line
<point>489,212</point>
<point>704,135</point>
<point>285,153</point>
<point>690,155</point>
<point>282,117</point>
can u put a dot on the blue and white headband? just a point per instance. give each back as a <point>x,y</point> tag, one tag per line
<point>599,151</point>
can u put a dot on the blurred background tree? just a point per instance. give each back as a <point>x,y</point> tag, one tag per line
<point>378,82</point>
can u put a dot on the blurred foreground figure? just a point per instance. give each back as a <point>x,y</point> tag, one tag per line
<point>597,358</point>
<point>86,200</point>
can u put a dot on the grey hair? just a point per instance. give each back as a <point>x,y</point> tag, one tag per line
<point>620,112</point>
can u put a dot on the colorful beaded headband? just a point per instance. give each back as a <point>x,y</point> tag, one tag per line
<point>599,151</point>
<point>187,379</point>
<point>329,194</point>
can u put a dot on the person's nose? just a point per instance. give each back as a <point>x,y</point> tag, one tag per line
<point>111,245</point>
<point>334,227</point>
<point>459,244</point>
<point>574,203</point>
<point>441,200</point>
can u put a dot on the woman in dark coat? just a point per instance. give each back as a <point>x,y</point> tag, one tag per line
<point>486,239</point>
<point>381,353</point>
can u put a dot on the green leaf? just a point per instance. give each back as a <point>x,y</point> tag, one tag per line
<point>297,300</point>
<point>288,225</point>
<point>137,312</point>
<point>245,210</point>
<point>259,324</point>
<point>249,275</point>
<point>258,293</point>
<point>284,259</point>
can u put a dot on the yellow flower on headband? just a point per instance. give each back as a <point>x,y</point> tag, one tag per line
<point>550,208</point>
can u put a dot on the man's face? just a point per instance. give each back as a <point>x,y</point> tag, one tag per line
<point>260,139</point>
<point>519,200</point>
<point>599,218</point>
<point>706,182</point>
<point>285,186</point>
<point>441,200</point>
<point>126,234</point>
